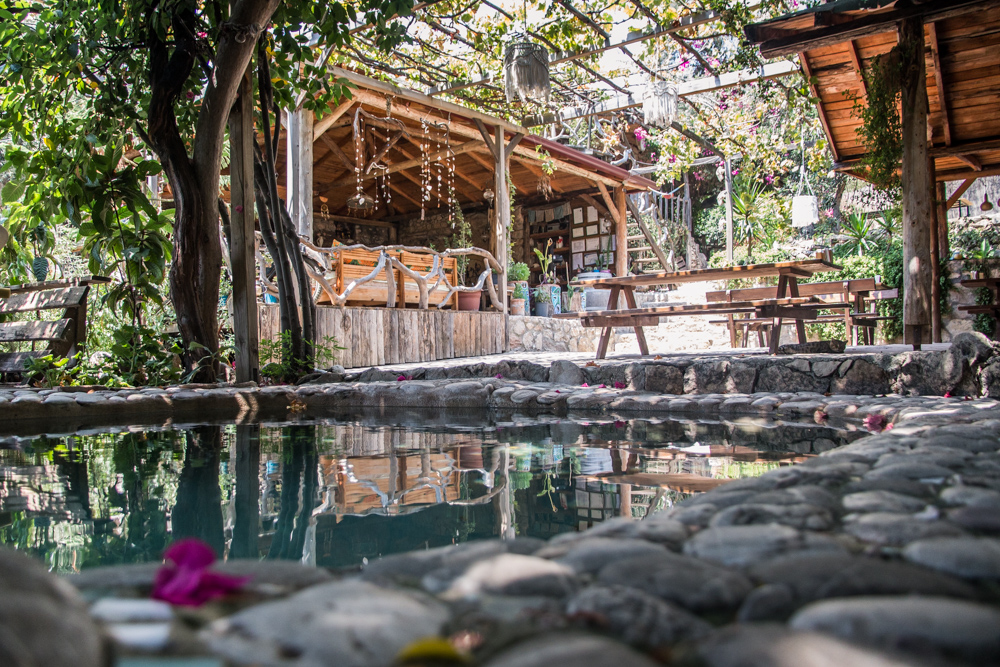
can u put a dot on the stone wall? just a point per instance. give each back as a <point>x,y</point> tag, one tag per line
<point>546,334</point>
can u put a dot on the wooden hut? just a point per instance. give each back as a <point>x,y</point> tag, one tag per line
<point>951,128</point>
<point>393,166</point>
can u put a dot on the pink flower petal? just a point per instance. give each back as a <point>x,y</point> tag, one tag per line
<point>185,580</point>
<point>584,385</point>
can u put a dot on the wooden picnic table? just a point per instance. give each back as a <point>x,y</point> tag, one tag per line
<point>992,308</point>
<point>787,303</point>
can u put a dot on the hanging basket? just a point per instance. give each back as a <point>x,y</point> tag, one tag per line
<point>526,72</point>
<point>805,210</point>
<point>659,103</point>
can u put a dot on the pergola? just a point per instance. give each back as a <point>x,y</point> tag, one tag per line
<point>950,102</point>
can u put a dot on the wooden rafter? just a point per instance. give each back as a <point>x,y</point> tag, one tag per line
<point>852,50</point>
<point>804,61</point>
<point>327,121</point>
<point>939,81</point>
<point>414,161</point>
<point>972,161</point>
<point>335,151</point>
<point>966,184</point>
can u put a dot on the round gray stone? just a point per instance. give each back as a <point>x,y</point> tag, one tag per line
<point>636,617</point>
<point>771,645</point>
<point>881,501</point>
<point>42,619</point>
<point>818,576</point>
<point>593,553</point>
<point>896,530</point>
<point>976,519</point>
<point>657,529</point>
<point>907,470</point>
<point>965,629</point>
<point>967,557</point>
<point>359,623</point>
<point>796,516</point>
<point>971,495</point>
<point>745,545</point>
<point>513,574</point>
<point>570,651</point>
<point>691,583</point>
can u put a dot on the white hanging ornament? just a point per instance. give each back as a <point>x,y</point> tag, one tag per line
<point>659,103</point>
<point>805,207</point>
<point>526,71</point>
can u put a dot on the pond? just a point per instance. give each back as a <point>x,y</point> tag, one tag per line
<point>338,491</point>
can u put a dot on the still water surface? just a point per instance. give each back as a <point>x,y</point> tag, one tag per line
<point>337,491</point>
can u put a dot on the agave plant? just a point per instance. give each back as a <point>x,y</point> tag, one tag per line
<point>889,223</point>
<point>747,195</point>
<point>861,231</point>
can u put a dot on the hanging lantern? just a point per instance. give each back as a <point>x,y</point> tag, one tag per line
<point>805,207</point>
<point>659,103</point>
<point>526,71</point>
<point>360,202</point>
<point>805,210</point>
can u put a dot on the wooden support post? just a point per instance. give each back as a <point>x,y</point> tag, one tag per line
<point>729,212</point>
<point>299,170</point>
<point>944,245</point>
<point>241,240</point>
<point>935,263</point>
<point>621,233</point>
<point>501,221</point>
<point>918,184</point>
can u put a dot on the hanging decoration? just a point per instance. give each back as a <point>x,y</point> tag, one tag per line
<point>526,71</point>
<point>360,201</point>
<point>805,207</point>
<point>659,103</point>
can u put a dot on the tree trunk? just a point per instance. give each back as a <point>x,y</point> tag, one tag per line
<point>194,180</point>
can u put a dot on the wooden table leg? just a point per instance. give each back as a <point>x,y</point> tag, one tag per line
<point>776,322</point>
<point>733,342</point>
<point>602,345</point>
<point>640,335</point>
<point>793,291</point>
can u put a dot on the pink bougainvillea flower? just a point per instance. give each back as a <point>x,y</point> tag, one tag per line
<point>185,579</point>
<point>876,423</point>
<point>190,94</point>
<point>400,378</point>
<point>947,394</point>
<point>619,424</point>
<point>603,386</point>
<point>499,376</point>
<point>584,385</point>
<point>239,208</point>
<point>558,392</point>
<point>619,385</point>
<point>202,35</point>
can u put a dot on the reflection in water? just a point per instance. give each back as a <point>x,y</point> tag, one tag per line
<point>333,493</point>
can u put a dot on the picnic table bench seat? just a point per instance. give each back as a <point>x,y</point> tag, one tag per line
<point>63,336</point>
<point>852,297</point>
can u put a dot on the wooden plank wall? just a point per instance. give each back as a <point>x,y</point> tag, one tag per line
<point>379,336</point>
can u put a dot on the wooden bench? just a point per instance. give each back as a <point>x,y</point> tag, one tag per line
<point>774,309</point>
<point>992,308</point>
<point>852,297</point>
<point>351,265</point>
<point>63,336</point>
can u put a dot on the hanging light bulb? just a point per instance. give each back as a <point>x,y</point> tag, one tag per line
<point>987,205</point>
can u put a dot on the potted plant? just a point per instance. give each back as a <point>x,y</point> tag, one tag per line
<point>518,298</point>
<point>545,261</point>
<point>518,273</point>
<point>597,299</point>
<point>462,238</point>
<point>543,301</point>
<point>979,260</point>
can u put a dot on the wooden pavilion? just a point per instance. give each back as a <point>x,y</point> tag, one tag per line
<point>951,128</point>
<point>408,157</point>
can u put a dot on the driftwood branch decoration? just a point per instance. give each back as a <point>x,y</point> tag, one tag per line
<point>320,261</point>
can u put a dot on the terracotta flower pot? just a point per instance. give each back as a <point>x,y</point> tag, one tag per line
<point>517,306</point>
<point>469,300</point>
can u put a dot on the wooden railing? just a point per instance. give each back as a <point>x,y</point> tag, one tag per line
<point>320,262</point>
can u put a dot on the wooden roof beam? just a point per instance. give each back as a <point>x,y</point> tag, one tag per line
<point>966,184</point>
<point>972,161</point>
<point>852,50</point>
<point>939,81</point>
<point>804,61</point>
<point>870,23</point>
<point>326,122</point>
